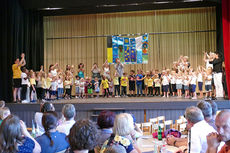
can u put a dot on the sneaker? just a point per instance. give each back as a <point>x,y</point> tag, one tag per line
<point>194,97</point>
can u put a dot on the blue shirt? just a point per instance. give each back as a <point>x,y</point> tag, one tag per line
<point>27,146</point>
<point>140,76</point>
<point>59,139</point>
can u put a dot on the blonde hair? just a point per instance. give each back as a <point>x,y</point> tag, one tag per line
<point>123,124</point>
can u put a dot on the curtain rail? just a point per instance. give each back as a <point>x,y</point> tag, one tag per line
<point>136,34</point>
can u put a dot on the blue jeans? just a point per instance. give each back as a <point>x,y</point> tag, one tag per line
<point>60,93</point>
<point>139,88</point>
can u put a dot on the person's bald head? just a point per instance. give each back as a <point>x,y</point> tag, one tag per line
<point>223,125</point>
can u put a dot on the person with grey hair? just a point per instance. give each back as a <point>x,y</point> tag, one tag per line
<point>206,109</point>
<point>223,134</point>
<point>115,149</point>
<point>69,113</point>
<point>198,130</point>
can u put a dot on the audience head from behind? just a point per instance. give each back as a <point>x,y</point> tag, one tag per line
<point>83,136</point>
<point>47,107</point>
<point>105,119</point>
<point>123,124</point>
<point>115,149</point>
<point>214,108</point>
<point>4,112</point>
<point>69,111</point>
<point>10,134</point>
<point>193,115</point>
<point>2,103</point>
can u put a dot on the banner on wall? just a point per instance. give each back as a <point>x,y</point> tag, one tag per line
<point>128,50</point>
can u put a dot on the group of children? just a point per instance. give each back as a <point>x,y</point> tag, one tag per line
<point>58,84</point>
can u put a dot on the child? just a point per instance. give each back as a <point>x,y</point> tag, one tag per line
<point>60,87</point>
<point>173,82</point>
<point>90,87</point>
<point>145,83</point>
<point>81,70</point>
<point>124,83</point>
<point>44,85</point>
<point>67,84</point>
<point>132,83</point>
<point>116,85</point>
<point>32,87</point>
<point>157,85</point>
<point>193,85</point>
<point>86,86</point>
<point>165,83</point>
<point>200,80</point>
<point>208,83</point>
<point>48,85</point>
<point>96,86</point>
<point>54,86</point>
<point>77,85</point>
<point>139,79</point>
<point>105,85</point>
<point>81,88</point>
<point>179,82</point>
<point>111,87</point>
<point>186,84</point>
<point>24,84</point>
<point>150,85</point>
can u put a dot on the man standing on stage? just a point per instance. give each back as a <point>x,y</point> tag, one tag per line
<point>16,68</point>
<point>217,71</point>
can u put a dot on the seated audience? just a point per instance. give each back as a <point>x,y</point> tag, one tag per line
<point>69,113</point>
<point>115,149</point>
<point>15,138</point>
<point>2,103</point>
<point>4,112</point>
<point>123,127</point>
<point>105,122</point>
<point>83,136</point>
<point>51,141</point>
<point>223,128</point>
<point>46,107</point>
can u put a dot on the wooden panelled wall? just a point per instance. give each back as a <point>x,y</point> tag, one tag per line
<point>163,50</point>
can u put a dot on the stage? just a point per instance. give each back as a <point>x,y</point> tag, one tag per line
<point>142,107</point>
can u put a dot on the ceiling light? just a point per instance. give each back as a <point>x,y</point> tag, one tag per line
<point>51,8</point>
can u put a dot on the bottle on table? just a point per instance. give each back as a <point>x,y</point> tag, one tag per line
<point>159,135</point>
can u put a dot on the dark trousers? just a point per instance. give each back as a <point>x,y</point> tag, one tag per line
<point>117,90</point>
<point>150,91</point>
<point>106,92</point>
<point>123,90</point>
<point>23,91</point>
<point>68,92</point>
<point>157,91</point>
<point>39,93</point>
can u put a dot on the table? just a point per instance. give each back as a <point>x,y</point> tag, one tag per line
<point>146,145</point>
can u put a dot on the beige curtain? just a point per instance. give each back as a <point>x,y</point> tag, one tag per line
<point>164,48</point>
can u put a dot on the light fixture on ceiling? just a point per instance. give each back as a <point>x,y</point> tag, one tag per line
<point>51,8</point>
<point>193,0</point>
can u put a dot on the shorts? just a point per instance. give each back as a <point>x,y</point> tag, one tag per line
<point>132,86</point>
<point>208,87</point>
<point>193,87</point>
<point>86,90</point>
<point>17,83</point>
<point>186,87</point>
<point>81,90</point>
<point>97,90</point>
<point>179,86</point>
<point>77,90</point>
<point>200,86</point>
<point>53,92</point>
<point>90,91</point>
<point>165,88</point>
<point>173,87</point>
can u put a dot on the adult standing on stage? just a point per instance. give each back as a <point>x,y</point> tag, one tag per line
<point>16,68</point>
<point>120,69</point>
<point>217,71</point>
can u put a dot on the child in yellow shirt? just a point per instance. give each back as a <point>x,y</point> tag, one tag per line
<point>105,86</point>
<point>124,83</point>
<point>150,85</point>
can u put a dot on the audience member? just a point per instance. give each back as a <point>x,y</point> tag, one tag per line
<point>105,122</point>
<point>4,112</point>
<point>198,130</point>
<point>69,113</point>
<point>123,127</point>
<point>223,129</point>
<point>83,136</point>
<point>15,138</point>
<point>115,149</point>
<point>45,107</point>
<point>51,141</point>
<point>2,103</point>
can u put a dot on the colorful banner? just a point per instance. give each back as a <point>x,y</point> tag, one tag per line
<point>115,48</point>
<point>126,50</point>
<point>145,45</point>
<point>121,48</point>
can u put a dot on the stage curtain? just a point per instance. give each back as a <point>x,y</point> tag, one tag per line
<point>226,38</point>
<point>21,31</point>
<point>164,48</point>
